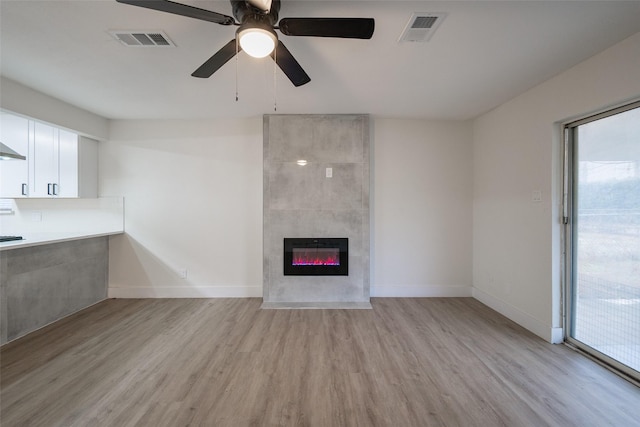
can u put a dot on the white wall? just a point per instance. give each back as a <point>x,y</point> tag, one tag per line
<point>28,102</point>
<point>517,242</point>
<point>193,200</point>
<point>422,204</point>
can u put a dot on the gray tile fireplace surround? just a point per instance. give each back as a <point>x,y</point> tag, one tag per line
<point>302,201</point>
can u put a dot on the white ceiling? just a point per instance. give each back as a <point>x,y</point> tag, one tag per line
<point>483,54</point>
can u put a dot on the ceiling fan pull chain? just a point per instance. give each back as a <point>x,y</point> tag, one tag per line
<point>236,69</point>
<point>275,69</point>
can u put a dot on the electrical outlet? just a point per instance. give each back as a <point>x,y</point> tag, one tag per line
<point>536,196</point>
<point>329,172</point>
<point>182,272</point>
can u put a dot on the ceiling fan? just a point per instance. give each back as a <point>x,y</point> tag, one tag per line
<point>256,21</point>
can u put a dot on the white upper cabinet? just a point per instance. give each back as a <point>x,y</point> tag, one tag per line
<point>68,147</point>
<point>77,166</point>
<point>59,163</point>
<point>44,158</point>
<point>14,174</point>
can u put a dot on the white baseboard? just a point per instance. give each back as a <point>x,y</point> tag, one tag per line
<point>548,333</point>
<point>188,292</point>
<point>433,291</point>
<point>256,292</point>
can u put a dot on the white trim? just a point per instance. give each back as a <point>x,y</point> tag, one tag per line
<point>256,292</point>
<point>557,335</point>
<point>410,291</point>
<point>187,292</point>
<point>546,332</point>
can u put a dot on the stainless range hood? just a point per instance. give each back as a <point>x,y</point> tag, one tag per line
<point>7,153</point>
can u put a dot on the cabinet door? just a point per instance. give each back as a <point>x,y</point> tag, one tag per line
<point>14,174</point>
<point>45,161</point>
<point>68,164</point>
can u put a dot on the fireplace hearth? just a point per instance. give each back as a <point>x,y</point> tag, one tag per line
<point>316,257</point>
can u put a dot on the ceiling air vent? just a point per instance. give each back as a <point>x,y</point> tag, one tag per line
<point>142,38</point>
<point>421,27</point>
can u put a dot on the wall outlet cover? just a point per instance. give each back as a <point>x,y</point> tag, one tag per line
<point>536,196</point>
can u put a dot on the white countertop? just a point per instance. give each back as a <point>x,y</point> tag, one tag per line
<point>36,239</point>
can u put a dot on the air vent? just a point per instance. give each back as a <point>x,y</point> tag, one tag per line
<point>142,38</point>
<point>421,27</point>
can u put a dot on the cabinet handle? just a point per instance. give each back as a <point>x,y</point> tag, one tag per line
<point>55,189</point>
<point>49,189</point>
<point>24,189</point>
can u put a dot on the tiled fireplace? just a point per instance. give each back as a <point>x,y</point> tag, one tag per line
<point>316,211</point>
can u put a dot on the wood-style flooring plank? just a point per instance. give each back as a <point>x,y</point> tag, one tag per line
<point>226,362</point>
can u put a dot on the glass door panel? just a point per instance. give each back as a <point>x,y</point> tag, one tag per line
<point>605,288</point>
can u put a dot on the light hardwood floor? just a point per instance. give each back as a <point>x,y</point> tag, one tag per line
<point>407,362</point>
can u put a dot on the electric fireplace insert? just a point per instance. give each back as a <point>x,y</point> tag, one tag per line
<point>316,257</point>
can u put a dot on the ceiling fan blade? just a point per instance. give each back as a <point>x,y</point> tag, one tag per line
<point>220,58</point>
<point>346,28</point>
<point>182,9</point>
<point>289,65</point>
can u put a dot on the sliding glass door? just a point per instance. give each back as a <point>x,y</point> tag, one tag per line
<point>603,187</point>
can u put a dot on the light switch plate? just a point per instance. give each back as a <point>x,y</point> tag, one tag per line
<point>329,172</point>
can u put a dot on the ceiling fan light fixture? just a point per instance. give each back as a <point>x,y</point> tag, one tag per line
<point>257,21</point>
<point>257,42</point>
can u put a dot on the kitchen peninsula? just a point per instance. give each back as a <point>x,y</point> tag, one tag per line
<point>61,264</point>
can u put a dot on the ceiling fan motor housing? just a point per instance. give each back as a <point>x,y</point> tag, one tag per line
<point>246,13</point>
